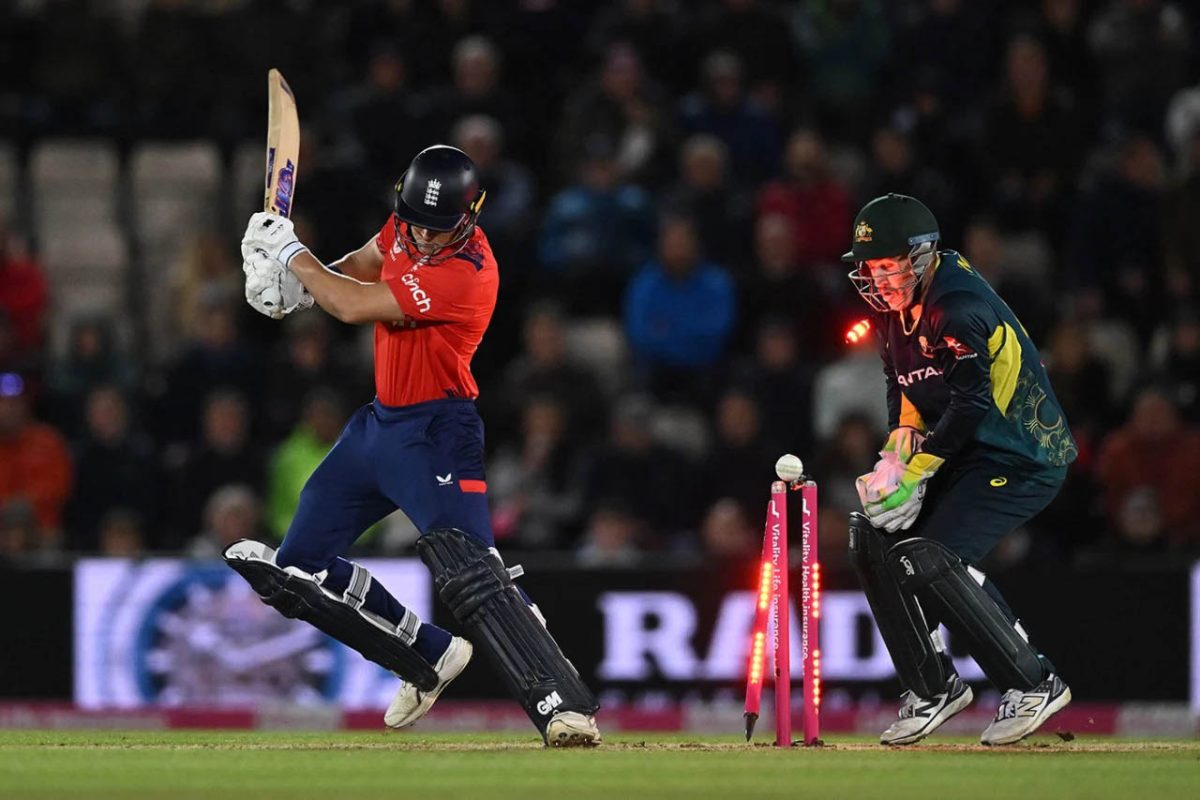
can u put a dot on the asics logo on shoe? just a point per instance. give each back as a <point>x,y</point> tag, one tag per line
<point>549,703</point>
<point>908,567</point>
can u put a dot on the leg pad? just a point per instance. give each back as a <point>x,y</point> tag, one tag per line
<point>298,595</point>
<point>473,582</point>
<point>951,592</point>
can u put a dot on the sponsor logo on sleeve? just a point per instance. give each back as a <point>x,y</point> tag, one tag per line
<point>959,349</point>
<point>419,295</point>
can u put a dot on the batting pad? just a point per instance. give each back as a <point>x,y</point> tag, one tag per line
<point>298,595</point>
<point>473,582</point>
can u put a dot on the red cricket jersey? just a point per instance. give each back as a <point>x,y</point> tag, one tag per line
<point>447,308</point>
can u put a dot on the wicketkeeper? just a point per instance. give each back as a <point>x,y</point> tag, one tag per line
<point>427,282</point>
<point>978,446</point>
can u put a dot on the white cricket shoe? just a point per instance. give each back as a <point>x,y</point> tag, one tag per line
<point>410,703</point>
<point>572,729</point>
<point>920,716</point>
<point>1022,713</point>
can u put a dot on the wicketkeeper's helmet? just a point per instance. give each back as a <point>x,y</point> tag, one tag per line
<point>892,226</point>
<point>440,192</point>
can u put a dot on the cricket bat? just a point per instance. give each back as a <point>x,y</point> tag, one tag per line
<point>283,145</point>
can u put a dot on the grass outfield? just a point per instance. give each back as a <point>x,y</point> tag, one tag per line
<point>265,765</point>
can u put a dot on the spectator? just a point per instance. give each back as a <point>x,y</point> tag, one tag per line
<point>778,286</point>
<point>387,116</point>
<point>1182,236</point>
<point>20,533</point>
<point>727,532</point>
<point>1142,49</point>
<point>1155,450</point>
<point>232,513</point>
<point>707,193</point>
<point>205,268</point>
<point>722,109</point>
<point>92,359</point>
<point>1031,143</point>
<point>654,30</point>
<point>1117,238</point>
<point>845,45</point>
<point>113,468</point>
<point>304,361</point>
<point>35,464</point>
<point>543,369</point>
<point>120,534</point>
<point>297,457</point>
<point>611,538</point>
<point>1081,383</point>
<point>815,202</point>
<point>507,214</point>
<point>651,481</point>
<point>23,292</point>
<point>853,384</point>
<point>223,454</point>
<point>1017,266</point>
<point>1175,362</point>
<point>476,91</point>
<point>894,168</point>
<point>741,455</point>
<point>782,383</point>
<point>756,33</point>
<point>216,357</point>
<point>537,486</point>
<point>848,453</point>
<point>595,232</point>
<point>679,314</point>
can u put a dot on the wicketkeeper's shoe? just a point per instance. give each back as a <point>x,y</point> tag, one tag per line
<point>572,729</point>
<point>1022,713</point>
<point>920,716</point>
<point>410,703</point>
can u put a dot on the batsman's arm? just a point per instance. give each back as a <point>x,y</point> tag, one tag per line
<point>364,264</point>
<point>967,320</point>
<point>344,297</point>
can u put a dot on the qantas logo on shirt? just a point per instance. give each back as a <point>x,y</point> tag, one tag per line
<point>420,297</point>
<point>959,349</point>
<point>917,375</point>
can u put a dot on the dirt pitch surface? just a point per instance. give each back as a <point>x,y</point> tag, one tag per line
<point>271,764</point>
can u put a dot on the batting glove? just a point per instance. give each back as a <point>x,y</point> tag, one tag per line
<point>900,509</point>
<point>272,235</point>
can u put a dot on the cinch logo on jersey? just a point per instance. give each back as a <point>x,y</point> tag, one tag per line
<point>418,294</point>
<point>431,191</point>
<point>549,703</point>
<point>917,375</point>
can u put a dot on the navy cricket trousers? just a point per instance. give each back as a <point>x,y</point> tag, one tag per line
<point>425,459</point>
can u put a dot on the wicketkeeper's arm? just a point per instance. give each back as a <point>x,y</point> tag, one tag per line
<point>961,324</point>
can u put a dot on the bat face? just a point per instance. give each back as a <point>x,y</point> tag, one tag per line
<point>283,146</point>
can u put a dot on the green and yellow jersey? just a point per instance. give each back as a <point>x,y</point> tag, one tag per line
<point>968,375</point>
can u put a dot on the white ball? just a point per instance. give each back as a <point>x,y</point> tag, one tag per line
<point>789,468</point>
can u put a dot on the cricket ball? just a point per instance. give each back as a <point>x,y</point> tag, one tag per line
<point>789,468</point>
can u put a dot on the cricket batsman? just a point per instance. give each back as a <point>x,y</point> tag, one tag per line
<point>978,446</point>
<point>427,282</point>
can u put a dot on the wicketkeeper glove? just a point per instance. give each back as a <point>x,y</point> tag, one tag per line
<point>903,441</point>
<point>272,235</point>
<point>898,510</point>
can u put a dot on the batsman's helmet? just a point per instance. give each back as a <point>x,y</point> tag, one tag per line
<point>439,192</point>
<point>893,226</point>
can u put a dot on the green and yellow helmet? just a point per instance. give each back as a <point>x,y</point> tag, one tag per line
<point>893,226</point>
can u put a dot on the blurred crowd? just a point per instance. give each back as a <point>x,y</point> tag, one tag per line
<point>670,185</point>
